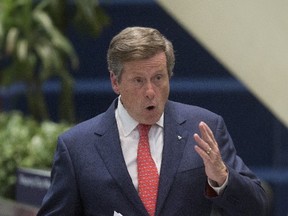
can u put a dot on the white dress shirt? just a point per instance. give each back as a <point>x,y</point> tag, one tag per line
<point>129,138</point>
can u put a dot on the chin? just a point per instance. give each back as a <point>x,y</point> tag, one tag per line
<point>151,120</point>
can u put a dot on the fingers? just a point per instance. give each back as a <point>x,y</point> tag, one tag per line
<point>206,142</point>
<point>203,149</point>
<point>207,135</point>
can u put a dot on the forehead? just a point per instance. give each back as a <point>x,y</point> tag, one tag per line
<point>157,62</point>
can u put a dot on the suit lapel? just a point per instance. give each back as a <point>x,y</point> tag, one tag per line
<point>108,146</point>
<point>174,144</point>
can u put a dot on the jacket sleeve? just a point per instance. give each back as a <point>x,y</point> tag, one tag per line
<point>62,197</point>
<point>243,194</point>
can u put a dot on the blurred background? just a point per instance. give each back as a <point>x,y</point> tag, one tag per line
<point>231,58</point>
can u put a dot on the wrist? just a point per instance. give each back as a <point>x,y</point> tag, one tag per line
<point>221,179</point>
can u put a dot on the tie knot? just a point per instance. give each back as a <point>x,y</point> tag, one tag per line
<point>143,129</point>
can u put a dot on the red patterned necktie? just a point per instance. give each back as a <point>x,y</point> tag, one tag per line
<point>147,171</point>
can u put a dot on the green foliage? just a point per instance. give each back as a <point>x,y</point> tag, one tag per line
<point>33,42</point>
<point>25,142</point>
<point>36,51</point>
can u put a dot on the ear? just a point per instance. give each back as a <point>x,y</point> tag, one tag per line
<point>114,83</point>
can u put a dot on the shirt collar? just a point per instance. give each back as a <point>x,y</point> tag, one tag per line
<point>128,124</point>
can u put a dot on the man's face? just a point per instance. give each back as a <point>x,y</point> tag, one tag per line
<point>144,88</point>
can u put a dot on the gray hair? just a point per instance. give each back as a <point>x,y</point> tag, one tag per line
<point>137,43</point>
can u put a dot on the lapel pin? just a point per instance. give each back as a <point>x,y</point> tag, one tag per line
<point>179,137</point>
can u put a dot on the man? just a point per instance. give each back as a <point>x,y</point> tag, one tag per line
<point>190,166</point>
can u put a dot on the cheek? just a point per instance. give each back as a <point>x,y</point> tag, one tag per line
<point>127,92</point>
<point>129,97</point>
<point>164,92</point>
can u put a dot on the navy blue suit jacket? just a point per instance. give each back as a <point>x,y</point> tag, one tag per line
<point>89,175</point>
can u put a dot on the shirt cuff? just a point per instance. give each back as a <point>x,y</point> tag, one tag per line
<point>220,189</point>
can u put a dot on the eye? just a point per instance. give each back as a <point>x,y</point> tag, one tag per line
<point>138,81</point>
<point>158,78</point>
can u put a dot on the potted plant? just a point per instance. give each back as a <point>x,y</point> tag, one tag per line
<point>33,49</point>
<point>25,142</point>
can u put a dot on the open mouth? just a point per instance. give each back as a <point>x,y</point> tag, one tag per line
<point>150,108</point>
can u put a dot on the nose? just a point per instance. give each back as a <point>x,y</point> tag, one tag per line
<point>149,90</point>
